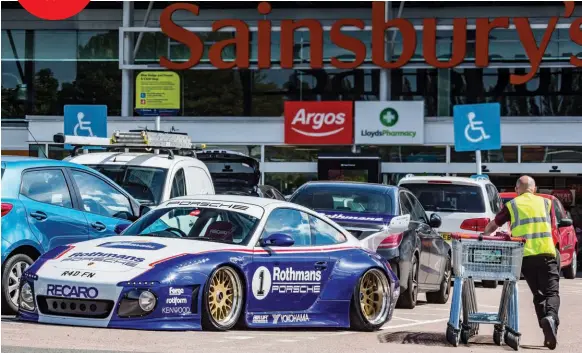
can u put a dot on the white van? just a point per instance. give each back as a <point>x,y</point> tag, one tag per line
<point>151,177</point>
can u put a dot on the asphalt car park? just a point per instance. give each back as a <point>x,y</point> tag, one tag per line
<point>418,330</point>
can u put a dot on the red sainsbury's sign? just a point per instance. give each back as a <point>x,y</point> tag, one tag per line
<point>533,48</point>
<point>319,123</point>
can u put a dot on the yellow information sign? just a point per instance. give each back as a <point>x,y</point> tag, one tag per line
<point>157,92</point>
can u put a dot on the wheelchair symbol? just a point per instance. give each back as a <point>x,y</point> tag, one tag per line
<point>475,125</point>
<point>83,125</point>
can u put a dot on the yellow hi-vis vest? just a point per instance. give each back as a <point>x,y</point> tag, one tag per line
<point>531,219</point>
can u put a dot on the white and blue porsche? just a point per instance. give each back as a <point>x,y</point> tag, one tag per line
<point>213,262</point>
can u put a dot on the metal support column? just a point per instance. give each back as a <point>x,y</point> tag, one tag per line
<point>127,82</point>
<point>385,73</point>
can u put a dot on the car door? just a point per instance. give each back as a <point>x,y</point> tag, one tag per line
<point>104,205</point>
<point>47,196</point>
<point>416,230</point>
<point>198,181</point>
<point>287,279</point>
<point>432,242</point>
<point>565,234</point>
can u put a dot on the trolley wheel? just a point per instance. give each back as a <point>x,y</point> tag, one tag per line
<point>465,336</point>
<point>497,337</point>
<point>453,337</point>
<point>512,340</point>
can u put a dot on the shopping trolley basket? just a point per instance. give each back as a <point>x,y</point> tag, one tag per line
<point>495,258</point>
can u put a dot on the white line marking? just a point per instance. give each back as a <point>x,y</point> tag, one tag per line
<point>241,337</point>
<point>404,319</point>
<point>388,327</point>
<point>287,341</point>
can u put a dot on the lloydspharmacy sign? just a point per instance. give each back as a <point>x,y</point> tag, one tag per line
<point>389,123</point>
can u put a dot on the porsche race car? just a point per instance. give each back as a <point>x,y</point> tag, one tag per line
<point>215,262</point>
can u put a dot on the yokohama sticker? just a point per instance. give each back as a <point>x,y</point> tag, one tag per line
<point>319,123</point>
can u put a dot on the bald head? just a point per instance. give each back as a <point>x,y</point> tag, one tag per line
<point>525,184</point>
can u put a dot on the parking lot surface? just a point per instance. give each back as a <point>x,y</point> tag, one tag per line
<point>415,331</point>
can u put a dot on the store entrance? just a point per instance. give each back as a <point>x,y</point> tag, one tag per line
<point>349,168</point>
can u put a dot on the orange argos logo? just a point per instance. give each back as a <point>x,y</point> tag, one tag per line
<point>54,9</point>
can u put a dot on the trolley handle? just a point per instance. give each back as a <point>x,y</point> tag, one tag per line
<point>501,237</point>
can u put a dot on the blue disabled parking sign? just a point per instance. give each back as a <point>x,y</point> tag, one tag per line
<point>85,120</point>
<point>477,127</point>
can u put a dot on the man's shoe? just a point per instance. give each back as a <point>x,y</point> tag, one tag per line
<point>549,328</point>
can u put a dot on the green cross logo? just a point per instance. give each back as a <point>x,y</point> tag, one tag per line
<point>389,117</point>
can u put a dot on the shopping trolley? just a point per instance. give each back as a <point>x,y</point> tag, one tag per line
<point>496,258</point>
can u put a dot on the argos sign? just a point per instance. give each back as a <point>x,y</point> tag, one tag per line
<point>319,123</point>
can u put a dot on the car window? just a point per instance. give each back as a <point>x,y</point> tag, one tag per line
<point>178,184</point>
<point>46,186</point>
<point>493,196</point>
<point>101,198</point>
<point>448,197</point>
<point>346,198</point>
<point>559,211</point>
<point>418,213</point>
<point>291,222</point>
<point>197,223</point>
<point>405,206</point>
<point>143,183</point>
<point>323,233</point>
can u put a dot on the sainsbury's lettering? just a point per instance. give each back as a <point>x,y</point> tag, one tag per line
<point>241,41</point>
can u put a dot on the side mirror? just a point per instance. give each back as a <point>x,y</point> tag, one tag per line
<point>121,227</point>
<point>565,222</point>
<point>435,221</point>
<point>143,209</point>
<point>277,239</point>
<point>399,224</point>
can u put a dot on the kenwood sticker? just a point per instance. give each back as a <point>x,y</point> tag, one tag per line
<point>133,245</point>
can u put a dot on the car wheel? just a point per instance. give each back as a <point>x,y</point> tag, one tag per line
<point>442,296</point>
<point>407,299</point>
<point>223,300</point>
<point>13,268</point>
<point>371,301</point>
<point>570,271</point>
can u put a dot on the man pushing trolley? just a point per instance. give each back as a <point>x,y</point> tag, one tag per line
<point>487,257</point>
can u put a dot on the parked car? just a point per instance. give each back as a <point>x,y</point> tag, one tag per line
<point>563,233</point>
<point>48,203</point>
<point>419,255</point>
<point>232,172</point>
<point>151,178</point>
<point>211,262</point>
<point>466,205</point>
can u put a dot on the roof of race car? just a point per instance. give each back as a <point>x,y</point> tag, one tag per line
<point>135,159</point>
<point>250,200</point>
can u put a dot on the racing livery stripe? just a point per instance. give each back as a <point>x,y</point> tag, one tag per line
<point>71,247</point>
<point>256,251</point>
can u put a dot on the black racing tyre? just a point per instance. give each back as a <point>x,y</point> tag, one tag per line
<point>223,300</point>
<point>570,271</point>
<point>489,284</point>
<point>370,305</point>
<point>408,298</point>
<point>11,272</point>
<point>442,296</point>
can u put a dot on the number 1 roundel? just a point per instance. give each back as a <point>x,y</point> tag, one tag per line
<point>261,283</point>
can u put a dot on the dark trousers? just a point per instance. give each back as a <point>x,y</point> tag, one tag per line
<point>542,275</point>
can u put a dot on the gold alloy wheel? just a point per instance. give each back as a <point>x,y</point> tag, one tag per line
<point>374,296</point>
<point>224,296</point>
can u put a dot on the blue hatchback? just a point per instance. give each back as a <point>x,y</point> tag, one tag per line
<point>47,203</point>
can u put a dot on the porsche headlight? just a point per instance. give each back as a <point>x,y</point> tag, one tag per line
<point>137,303</point>
<point>147,301</point>
<point>27,297</point>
